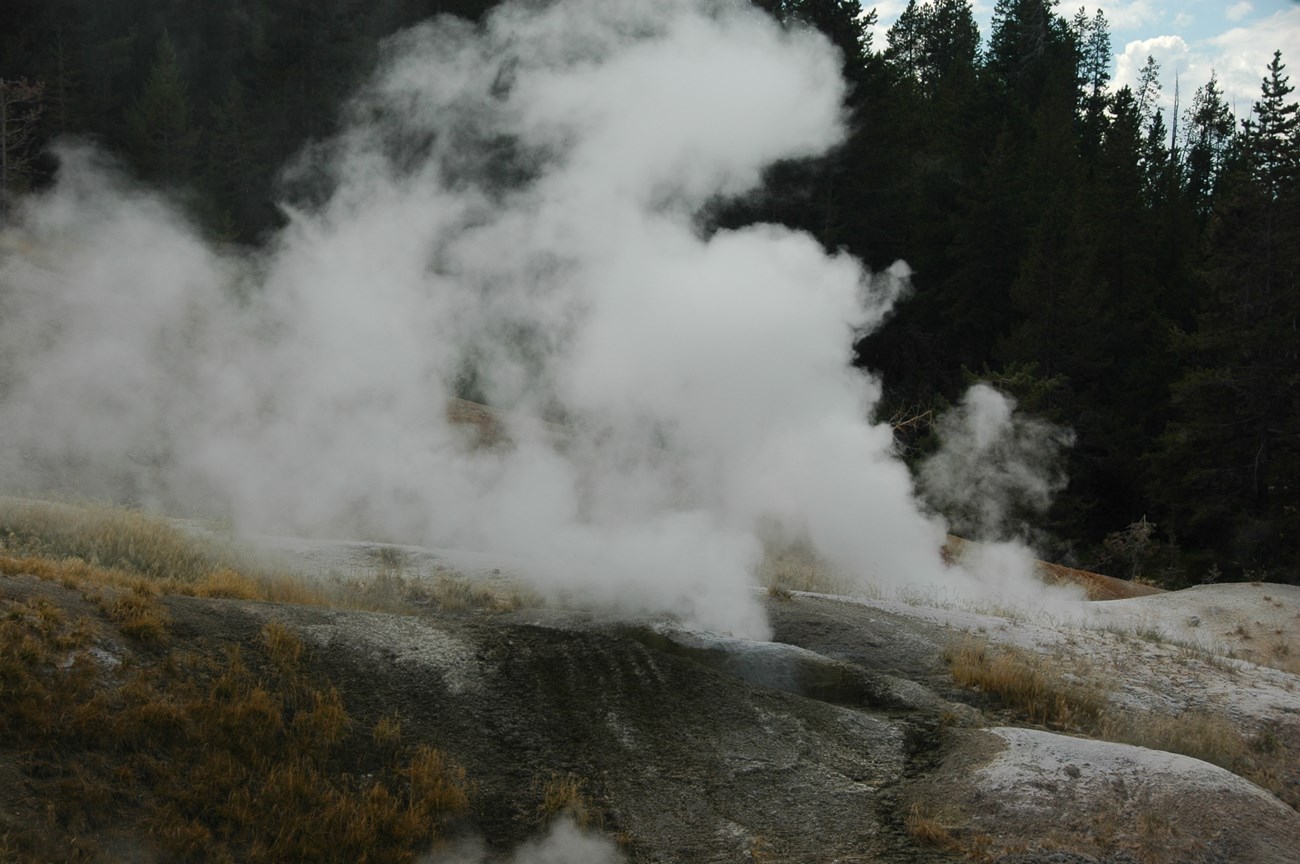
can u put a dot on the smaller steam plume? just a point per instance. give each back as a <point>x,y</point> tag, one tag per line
<point>994,466</point>
<point>564,843</point>
<point>994,469</point>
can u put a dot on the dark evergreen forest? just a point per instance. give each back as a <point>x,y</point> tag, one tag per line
<point>1124,271</point>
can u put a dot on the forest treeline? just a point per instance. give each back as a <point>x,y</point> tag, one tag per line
<point>1122,269</point>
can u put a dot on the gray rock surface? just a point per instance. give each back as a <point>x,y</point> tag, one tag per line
<point>837,741</point>
<point>698,748</point>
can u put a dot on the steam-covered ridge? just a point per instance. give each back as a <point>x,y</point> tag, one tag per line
<point>334,700</point>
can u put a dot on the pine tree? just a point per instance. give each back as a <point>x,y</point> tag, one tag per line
<point>1228,463</point>
<point>1092,38</point>
<point>62,80</point>
<point>162,139</point>
<point>1155,158</point>
<point>904,51</point>
<point>929,42</point>
<point>1148,90</point>
<point>1028,44</point>
<point>229,163</point>
<point>842,21</point>
<point>952,38</point>
<point>1272,135</point>
<point>1207,137</point>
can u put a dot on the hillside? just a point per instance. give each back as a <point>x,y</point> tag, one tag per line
<point>418,702</point>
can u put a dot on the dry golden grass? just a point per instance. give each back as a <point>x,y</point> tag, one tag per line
<point>390,590</point>
<point>282,645</point>
<point>439,785</point>
<point>224,583</point>
<point>452,593</point>
<point>137,613</point>
<point>240,756</point>
<point>795,566</point>
<point>1027,684</point>
<point>1131,830</point>
<point>950,831</point>
<point>777,592</point>
<point>293,589</point>
<point>387,732</point>
<point>1135,830</point>
<point>88,547</point>
<point>94,547</point>
<point>928,828</point>
<point>113,538</point>
<point>1038,690</point>
<point>1208,737</point>
<point>323,724</point>
<point>563,795</point>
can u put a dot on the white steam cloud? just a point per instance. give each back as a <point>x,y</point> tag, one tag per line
<point>563,843</point>
<point>993,467</point>
<point>514,208</point>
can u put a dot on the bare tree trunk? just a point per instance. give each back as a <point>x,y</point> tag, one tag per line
<point>4,151</point>
<point>20,109</point>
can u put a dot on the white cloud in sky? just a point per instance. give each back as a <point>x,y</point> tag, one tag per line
<point>1242,54</point>
<point>1172,53</point>
<point>887,13</point>
<point>1237,11</point>
<point>1238,57</point>
<point>1130,15</point>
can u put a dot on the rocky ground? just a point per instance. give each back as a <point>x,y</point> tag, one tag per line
<point>844,739</point>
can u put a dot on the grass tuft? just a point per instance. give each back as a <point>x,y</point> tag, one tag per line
<point>944,831</point>
<point>564,795</point>
<point>928,828</point>
<point>282,645</point>
<point>92,547</point>
<point>437,785</point>
<point>1027,684</point>
<point>89,548</point>
<point>139,615</point>
<point>387,732</point>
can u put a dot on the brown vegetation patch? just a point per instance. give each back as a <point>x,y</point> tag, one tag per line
<point>1027,684</point>
<point>93,548</point>
<point>1096,585</point>
<point>218,756</point>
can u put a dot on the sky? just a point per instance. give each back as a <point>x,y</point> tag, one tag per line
<point>1235,39</point>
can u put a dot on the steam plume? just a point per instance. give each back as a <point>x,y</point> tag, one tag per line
<point>511,209</point>
<point>994,466</point>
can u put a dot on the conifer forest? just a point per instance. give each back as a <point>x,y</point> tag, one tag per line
<point>1123,270</point>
